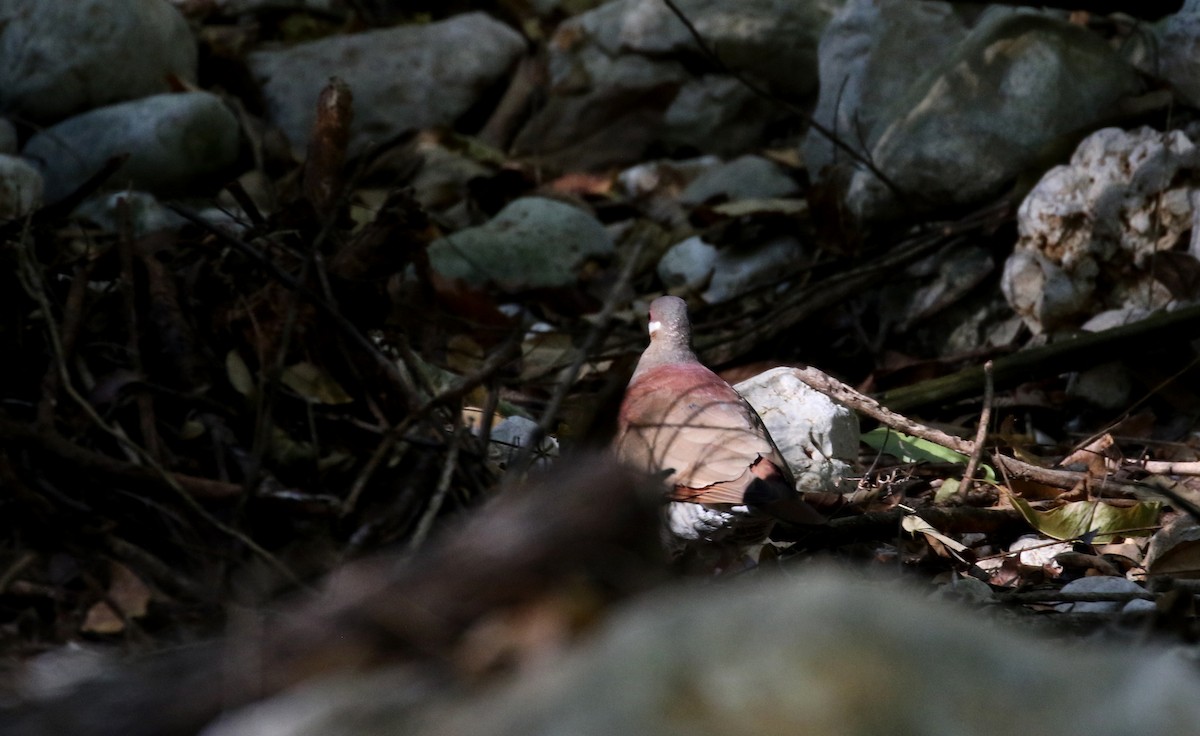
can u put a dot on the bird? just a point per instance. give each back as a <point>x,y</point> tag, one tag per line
<point>727,481</point>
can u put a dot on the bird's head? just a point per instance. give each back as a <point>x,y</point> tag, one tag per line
<point>669,321</point>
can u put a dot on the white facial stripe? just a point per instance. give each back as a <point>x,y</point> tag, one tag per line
<point>655,326</point>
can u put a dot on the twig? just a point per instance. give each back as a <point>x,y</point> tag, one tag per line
<point>1066,479</point>
<point>498,360</point>
<point>406,390</point>
<point>443,487</point>
<point>71,319</point>
<point>985,420</point>
<point>1065,355</point>
<point>32,282</point>
<point>599,328</point>
<point>863,404</point>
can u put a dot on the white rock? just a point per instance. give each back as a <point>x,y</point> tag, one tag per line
<point>20,187</point>
<point>1100,219</point>
<point>1035,552</point>
<point>816,435</point>
<point>60,57</point>
<point>173,140</point>
<point>413,76</point>
<point>533,243</point>
<point>511,436</point>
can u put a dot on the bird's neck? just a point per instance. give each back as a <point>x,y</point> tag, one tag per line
<point>664,351</point>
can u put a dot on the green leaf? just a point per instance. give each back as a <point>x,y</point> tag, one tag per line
<point>911,449</point>
<point>1078,518</point>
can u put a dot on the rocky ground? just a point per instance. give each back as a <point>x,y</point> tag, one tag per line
<point>317,315</point>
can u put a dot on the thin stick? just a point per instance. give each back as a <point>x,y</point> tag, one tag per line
<point>985,420</point>
<point>443,487</point>
<point>521,463</point>
<point>864,404</point>
<point>31,280</point>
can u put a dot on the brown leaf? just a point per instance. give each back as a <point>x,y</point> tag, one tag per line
<point>327,146</point>
<point>127,591</point>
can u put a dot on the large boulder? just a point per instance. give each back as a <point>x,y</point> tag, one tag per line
<point>402,78</point>
<point>174,141</point>
<point>61,57</point>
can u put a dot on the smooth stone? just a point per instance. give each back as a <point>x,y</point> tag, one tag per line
<point>740,270</point>
<point>61,57</point>
<point>1101,584</point>
<point>512,435</point>
<point>795,654</point>
<point>871,52</point>
<point>817,436</point>
<point>745,177</point>
<point>1175,57</point>
<point>20,187</point>
<point>620,80</point>
<point>174,141</point>
<point>533,243</point>
<point>1012,89</point>
<point>688,265</point>
<point>402,78</point>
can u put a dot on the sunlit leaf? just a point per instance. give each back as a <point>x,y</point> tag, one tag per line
<point>916,450</point>
<point>1074,520</point>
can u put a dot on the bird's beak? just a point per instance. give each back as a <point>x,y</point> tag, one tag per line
<point>654,327</point>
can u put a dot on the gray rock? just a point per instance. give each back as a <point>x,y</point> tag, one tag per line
<point>817,436</point>
<point>747,177</point>
<point>1108,385</point>
<point>533,243</point>
<point>1089,229</point>
<point>619,82</point>
<point>60,57</point>
<point>402,78</point>
<point>818,654</point>
<point>1015,85</point>
<point>20,187</point>
<point>739,270</point>
<point>240,7</point>
<point>172,140</point>
<point>605,112</point>
<point>716,114</point>
<point>688,265</point>
<point>773,40</point>
<point>870,54</point>
<point>8,137</point>
<point>1105,584</point>
<point>511,436</point>
<point>1175,57</point>
<point>144,213</point>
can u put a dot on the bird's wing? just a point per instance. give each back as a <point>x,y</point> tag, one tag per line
<point>686,419</point>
